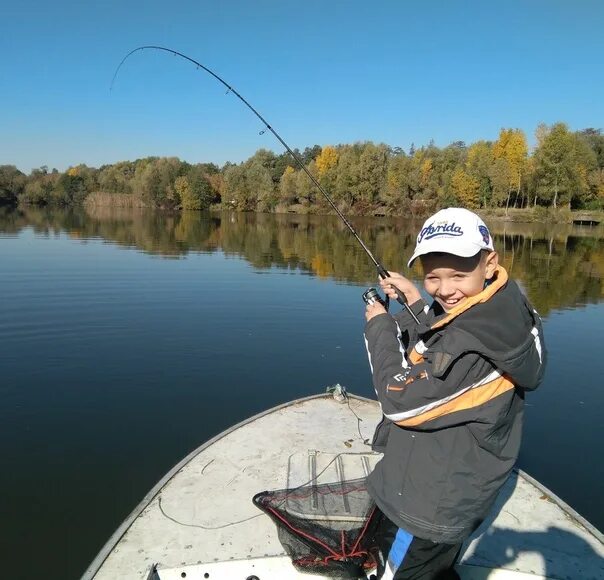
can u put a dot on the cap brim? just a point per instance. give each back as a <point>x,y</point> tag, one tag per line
<point>465,252</point>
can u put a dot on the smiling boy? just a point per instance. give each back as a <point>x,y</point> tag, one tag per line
<point>451,391</point>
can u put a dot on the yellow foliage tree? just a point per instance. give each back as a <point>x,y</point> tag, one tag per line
<point>182,188</point>
<point>327,159</point>
<point>512,147</point>
<point>425,172</point>
<point>466,189</point>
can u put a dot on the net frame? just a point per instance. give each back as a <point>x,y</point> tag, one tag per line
<point>326,528</point>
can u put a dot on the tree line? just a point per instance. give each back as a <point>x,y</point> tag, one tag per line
<point>565,169</point>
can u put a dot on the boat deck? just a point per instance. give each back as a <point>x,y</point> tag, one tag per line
<point>201,512</point>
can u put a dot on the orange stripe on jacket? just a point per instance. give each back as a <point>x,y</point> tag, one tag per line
<point>470,399</point>
<point>415,357</point>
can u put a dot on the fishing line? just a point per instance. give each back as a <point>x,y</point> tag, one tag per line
<point>382,272</point>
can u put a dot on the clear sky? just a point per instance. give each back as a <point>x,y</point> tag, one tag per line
<point>320,71</point>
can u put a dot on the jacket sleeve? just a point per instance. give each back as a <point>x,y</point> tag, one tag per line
<point>427,394</point>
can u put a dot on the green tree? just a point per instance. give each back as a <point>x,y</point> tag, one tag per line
<point>261,185</point>
<point>557,165</point>
<point>236,193</point>
<point>117,178</point>
<point>373,167</point>
<point>156,181</point>
<point>308,194</point>
<point>194,189</point>
<point>595,140</point>
<point>12,184</point>
<point>202,185</point>
<point>39,187</point>
<point>287,186</point>
<point>348,178</point>
<point>69,189</point>
<point>310,154</point>
<point>592,163</point>
<point>500,176</point>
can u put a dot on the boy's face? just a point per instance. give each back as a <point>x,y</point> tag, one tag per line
<point>451,280</point>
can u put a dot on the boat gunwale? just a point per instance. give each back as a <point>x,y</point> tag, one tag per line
<point>567,509</point>
<point>119,533</point>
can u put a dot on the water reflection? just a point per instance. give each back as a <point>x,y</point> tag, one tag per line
<point>559,266</point>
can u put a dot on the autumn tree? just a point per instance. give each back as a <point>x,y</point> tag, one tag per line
<point>426,176</point>
<point>443,163</point>
<point>512,147</point>
<point>478,165</point>
<point>465,188</point>
<point>327,165</point>
<point>399,188</point>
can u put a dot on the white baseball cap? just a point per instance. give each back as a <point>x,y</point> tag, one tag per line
<point>455,231</point>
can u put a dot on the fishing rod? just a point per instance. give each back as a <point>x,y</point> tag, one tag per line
<point>382,272</point>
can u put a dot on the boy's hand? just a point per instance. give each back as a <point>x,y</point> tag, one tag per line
<point>373,310</point>
<point>403,284</point>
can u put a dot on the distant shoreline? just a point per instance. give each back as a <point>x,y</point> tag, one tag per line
<point>519,215</point>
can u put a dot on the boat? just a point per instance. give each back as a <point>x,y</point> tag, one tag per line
<point>199,522</point>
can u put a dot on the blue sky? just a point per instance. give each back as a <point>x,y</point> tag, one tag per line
<point>324,72</point>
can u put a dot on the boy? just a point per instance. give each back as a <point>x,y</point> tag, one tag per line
<point>452,392</point>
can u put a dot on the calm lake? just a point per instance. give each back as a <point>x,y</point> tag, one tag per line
<point>128,338</point>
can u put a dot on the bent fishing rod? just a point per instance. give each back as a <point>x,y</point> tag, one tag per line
<point>382,272</point>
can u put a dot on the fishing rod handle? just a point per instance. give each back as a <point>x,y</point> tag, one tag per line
<point>400,296</point>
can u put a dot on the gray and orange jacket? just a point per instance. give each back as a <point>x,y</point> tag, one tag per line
<point>452,393</point>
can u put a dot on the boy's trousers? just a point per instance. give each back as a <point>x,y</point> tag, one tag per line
<point>406,557</point>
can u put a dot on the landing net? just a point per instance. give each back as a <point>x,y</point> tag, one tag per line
<point>325,528</point>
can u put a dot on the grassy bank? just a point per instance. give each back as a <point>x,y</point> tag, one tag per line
<point>542,215</point>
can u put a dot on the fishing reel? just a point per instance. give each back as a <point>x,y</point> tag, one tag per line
<point>372,296</point>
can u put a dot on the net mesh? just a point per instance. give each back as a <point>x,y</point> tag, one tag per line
<point>325,528</point>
